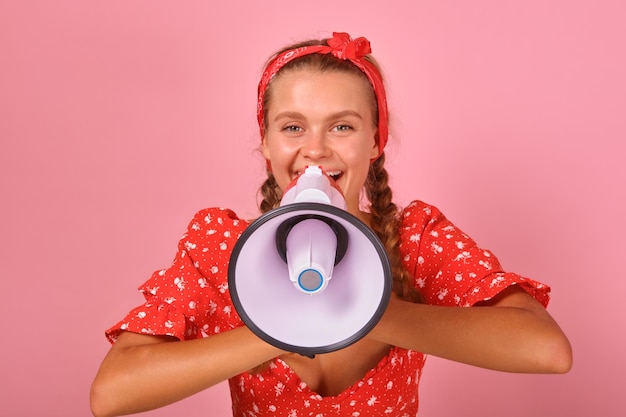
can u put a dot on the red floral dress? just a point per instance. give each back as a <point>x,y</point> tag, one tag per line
<point>190,299</point>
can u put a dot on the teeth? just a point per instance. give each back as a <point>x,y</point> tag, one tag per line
<point>333,174</point>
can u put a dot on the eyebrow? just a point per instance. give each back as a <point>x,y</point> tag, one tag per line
<point>298,115</point>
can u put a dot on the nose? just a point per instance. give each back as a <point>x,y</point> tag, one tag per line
<point>315,146</point>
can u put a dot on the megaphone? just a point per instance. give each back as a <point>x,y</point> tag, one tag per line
<point>309,277</point>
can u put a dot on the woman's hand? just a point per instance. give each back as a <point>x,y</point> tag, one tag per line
<point>512,332</point>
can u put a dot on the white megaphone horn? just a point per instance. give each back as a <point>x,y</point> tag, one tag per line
<point>312,245</point>
<point>281,268</point>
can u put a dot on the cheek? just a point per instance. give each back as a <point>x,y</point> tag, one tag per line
<point>280,169</point>
<point>360,158</point>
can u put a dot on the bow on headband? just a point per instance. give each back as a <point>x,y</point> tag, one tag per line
<point>341,46</point>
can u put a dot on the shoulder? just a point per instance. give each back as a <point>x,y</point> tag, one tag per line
<point>422,225</point>
<point>425,226</point>
<point>418,215</point>
<point>213,226</point>
<point>216,218</point>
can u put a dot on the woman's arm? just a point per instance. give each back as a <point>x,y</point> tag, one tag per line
<point>511,332</point>
<point>143,372</point>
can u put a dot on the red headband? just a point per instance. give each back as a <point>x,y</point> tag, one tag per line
<point>340,46</point>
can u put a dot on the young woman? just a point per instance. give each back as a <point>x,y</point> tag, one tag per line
<point>323,103</point>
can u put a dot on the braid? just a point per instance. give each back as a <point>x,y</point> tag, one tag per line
<point>386,225</point>
<point>271,193</point>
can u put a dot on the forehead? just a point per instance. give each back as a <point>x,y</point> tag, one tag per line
<point>305,86</point>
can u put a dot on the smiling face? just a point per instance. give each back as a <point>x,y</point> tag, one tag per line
<point>321,118</point>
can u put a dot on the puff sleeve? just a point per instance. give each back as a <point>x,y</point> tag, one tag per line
<point>190,299</point>
<point>448,267</point>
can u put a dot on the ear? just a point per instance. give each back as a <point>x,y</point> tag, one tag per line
<point>374,151</point>
<point>264,148</point>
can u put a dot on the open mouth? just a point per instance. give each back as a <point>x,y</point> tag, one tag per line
<point>335,175</point>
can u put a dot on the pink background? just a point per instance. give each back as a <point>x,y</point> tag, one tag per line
<point>118,120</point>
